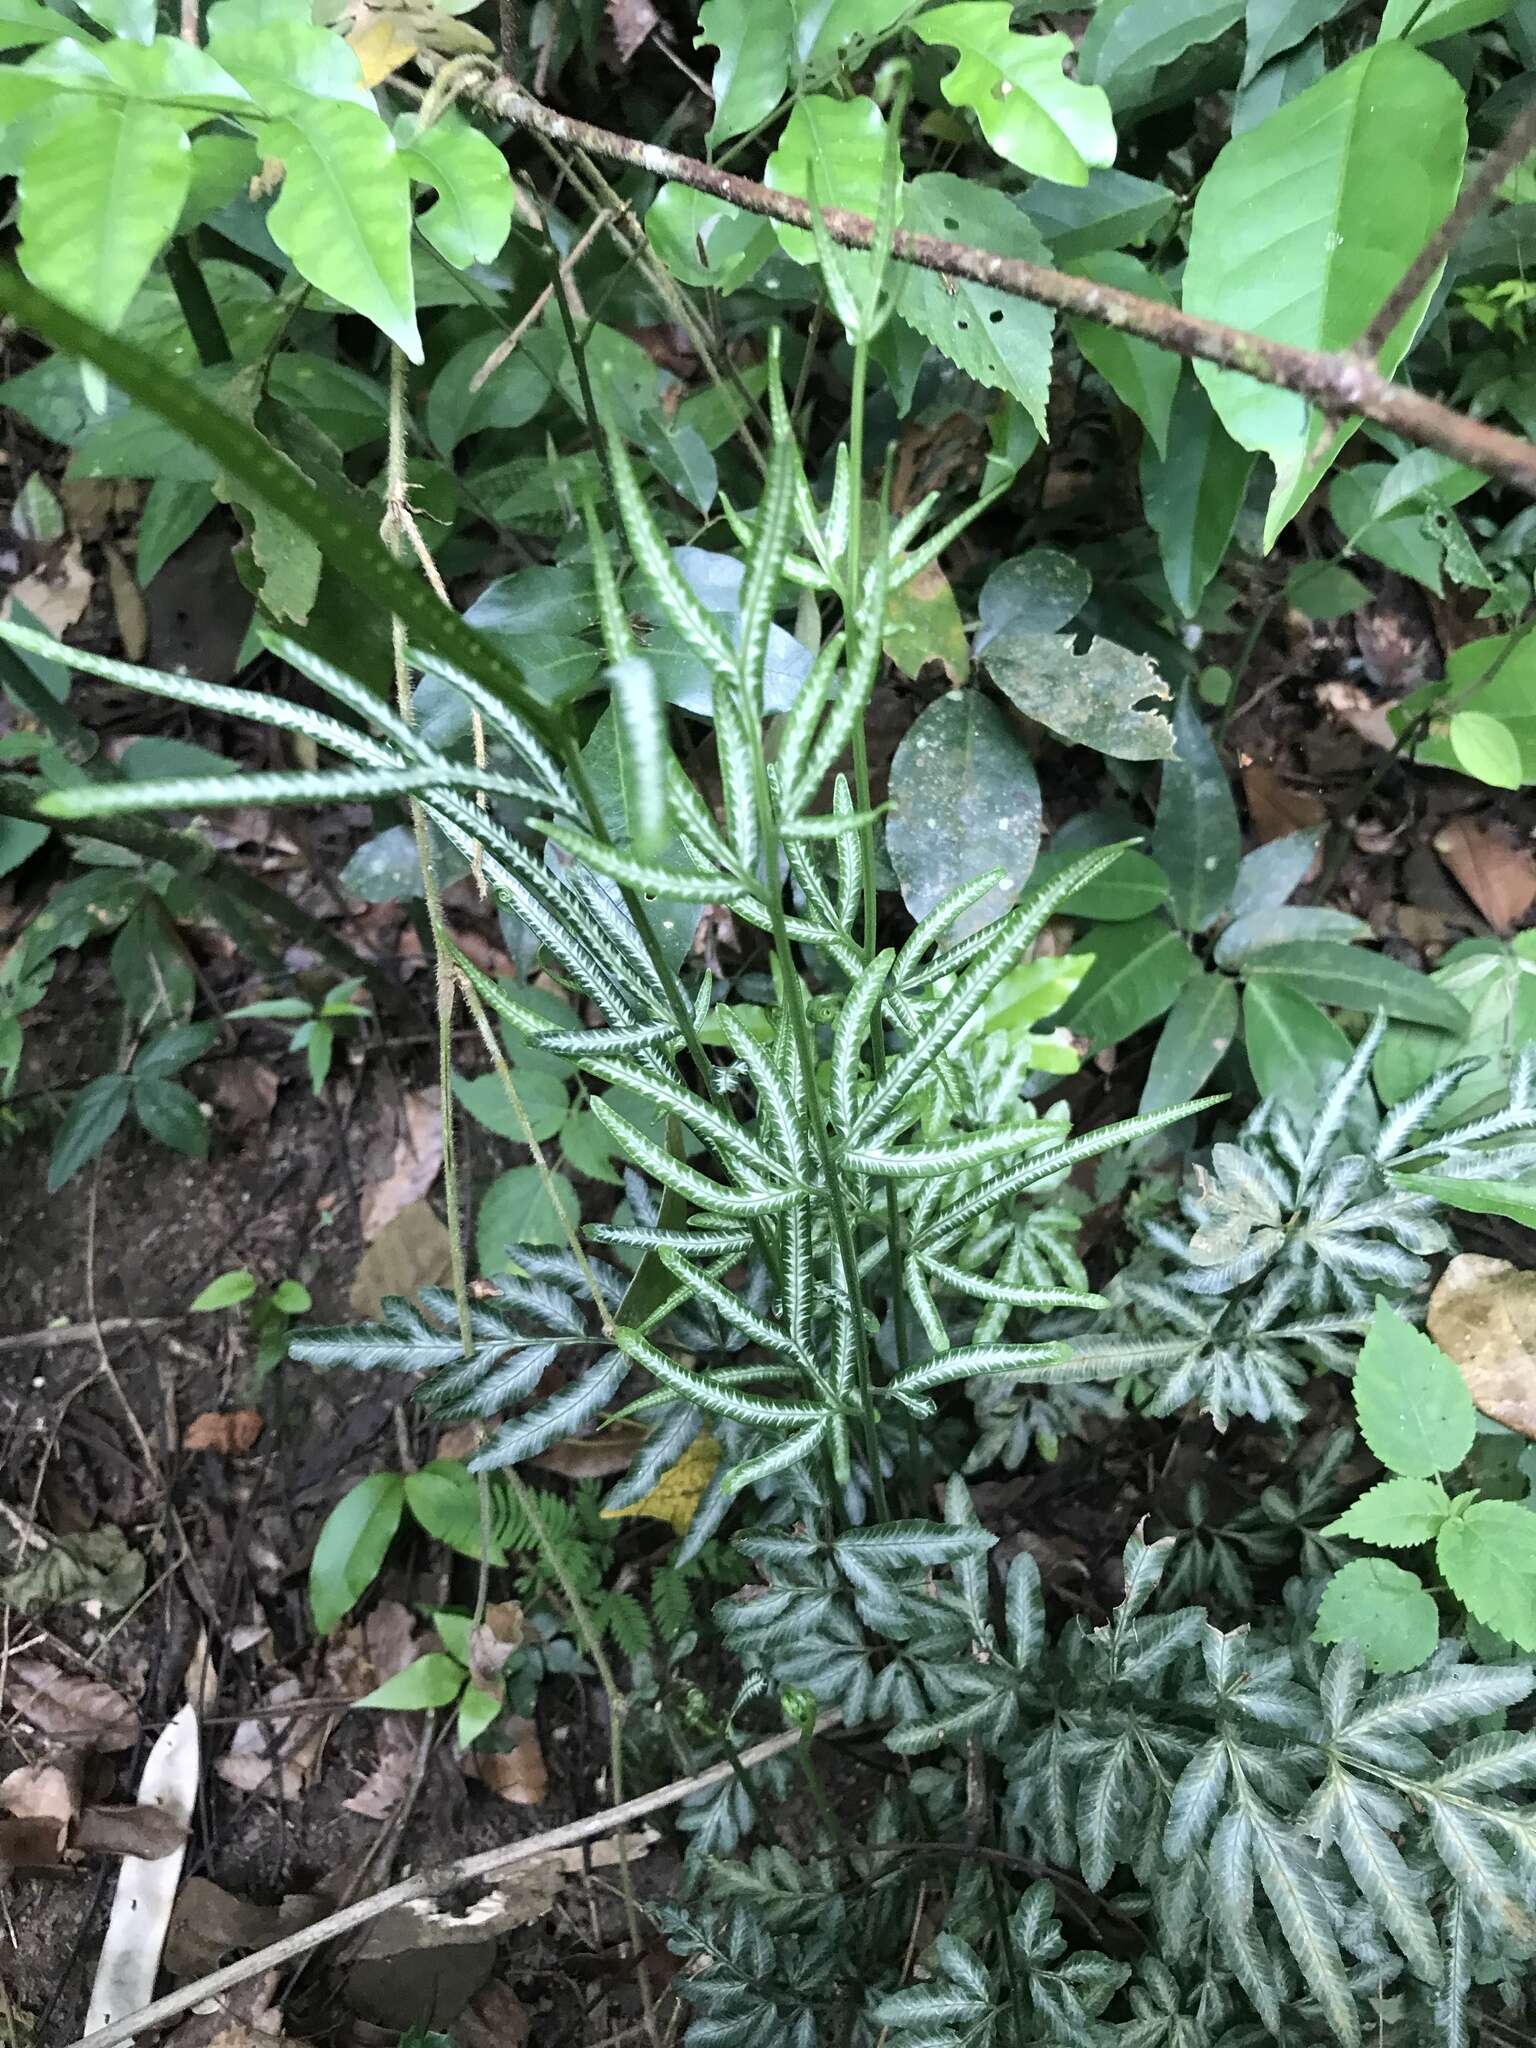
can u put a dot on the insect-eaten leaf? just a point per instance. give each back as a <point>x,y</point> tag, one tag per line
<point>1095,699</point>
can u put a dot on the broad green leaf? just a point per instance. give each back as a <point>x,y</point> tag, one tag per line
<point>170,1113</point>
<point>516,1209</point>
<point>1259,930</point>
<point>1201,1026</point>
<point>1133,886</point>
<point>1112,211</point>
<point>752,70</point>
<point>19,840</point>
<point>1271,872</point>
<point>1325,590</point>
<point>964,799</point>
<point>1275,26</point>
<point>1094,699</point>
<point>93,1116</point>
<point>1035,593</point>
<point>1000,340</point>
<point>1384,1609</point>
<point>1144,376</point>
<point>1511,1198</point>
<point>1431,21</point>
<point>1487,1554</point>
<point>1129,41</point>
<point>444,1497</point>
<point>1029,110</point>
<point>1398,1514</point>
<point>431,1681</point>
<point>706,241</point>
<point>286,64</point>
<point>587,1147</point>
<point>1509,696</point>
<point>1486,749</point>
<point>832,153</point>
<point>1413,1406</point>
<point>509,397</point>
<point>543,1097</point>
<point>1315,274</point>
<point>172,513</point>
<point>1496,984</point>
<point>99,195</point>
<point>343,213</point>
<point>351,1546</point>
<point>1196,839</point>
<point>469,220</point>
<point>1327,971</point>
<point>1192,496</point>
<point>24,23</point>
<point>1138,972</point>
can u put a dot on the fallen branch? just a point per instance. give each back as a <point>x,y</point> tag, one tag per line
<point>487,1864</point>
<point>1340,382</point>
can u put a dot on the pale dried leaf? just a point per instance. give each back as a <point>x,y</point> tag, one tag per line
<point>44,1792</point>
<point>518,1775</point>
<point>231,1432</point>
<point>631,21</point>
<point>1359,710</point>
<point>82,1712</point>
<point>1483,1316</point>
<point>293,1741</point>
<point>396,1739</point>
<point>1498,875</point>
<point>494,1640</point>
<point>418,1159</point>
<point>56,595</point>
<point>408,1253</point>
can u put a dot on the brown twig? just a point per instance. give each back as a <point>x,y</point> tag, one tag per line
<point>1475,195</point>
<point>1340,382</point>
<point>482,1867</point>
<point>82,1333</point>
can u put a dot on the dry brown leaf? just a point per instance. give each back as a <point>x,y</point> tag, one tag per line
<point>57,595</point>
<point>418,1160</point>
<point>246,1091</point>
<point>83,1712</point>
<point>1498,875</point>
<point>395,1743</point>
<point>631,21</point>
<point>256,1746</point>
<point>127,605</point>
<point>1483,1316</point>
<point>408,1253</point>
<point>1274,806</point>
<point>494,1640</point>
<point>44,1792</point>
<point>494,2018</point>
<point>231,1432</point>
<point>28,1845</point>
<point>518,1775</point>
<point>1359,710</point>
<point>146,1831</point>
<point>210,1924</point>
<point>586,1457</point>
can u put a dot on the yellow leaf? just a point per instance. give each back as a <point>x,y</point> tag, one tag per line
<point>380,48</point>
<point>677,1492</point>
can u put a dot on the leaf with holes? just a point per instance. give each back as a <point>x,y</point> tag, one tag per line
<point>1001,341</point>
<point>1095,699</point>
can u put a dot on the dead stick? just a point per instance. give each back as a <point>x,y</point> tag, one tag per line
<point>488,1863</point>
<point>82,1333</point>
<point>1340,382</point>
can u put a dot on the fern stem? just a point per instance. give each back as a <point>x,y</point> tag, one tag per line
<point>591,1642</point>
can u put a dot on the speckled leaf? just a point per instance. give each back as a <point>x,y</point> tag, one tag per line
<point>1001,341</point>
<point>1035,593</point>
<point>964,799</point>
<point>1093,699</point>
